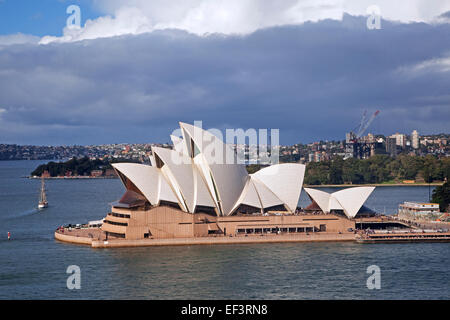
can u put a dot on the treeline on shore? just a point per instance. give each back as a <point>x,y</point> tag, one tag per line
<point>441,195</point>
<point>378,169</point>
<point>77,167</point>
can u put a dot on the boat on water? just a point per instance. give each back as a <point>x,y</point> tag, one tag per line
<point>43,203</point>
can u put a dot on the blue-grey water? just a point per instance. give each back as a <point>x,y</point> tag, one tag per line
<point>33,265</point>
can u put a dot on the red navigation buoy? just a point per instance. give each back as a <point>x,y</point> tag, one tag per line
<point>9,235</point>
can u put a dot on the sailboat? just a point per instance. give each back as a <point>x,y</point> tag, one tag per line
<point>43,203</point>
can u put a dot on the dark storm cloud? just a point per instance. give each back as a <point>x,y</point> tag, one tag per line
<point>312,81</point>
<point>445,15</point>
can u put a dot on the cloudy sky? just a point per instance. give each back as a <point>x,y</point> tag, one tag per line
<point>135,68</point>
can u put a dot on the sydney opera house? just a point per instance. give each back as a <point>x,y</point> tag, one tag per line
<point>199,189</point>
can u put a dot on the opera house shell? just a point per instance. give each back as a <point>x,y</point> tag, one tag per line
<point>199,189</point>
<point>350,201</point>
<point>193,179</point>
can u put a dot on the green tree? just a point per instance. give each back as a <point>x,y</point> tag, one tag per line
<point>441,195</point>
<point>336,171</point>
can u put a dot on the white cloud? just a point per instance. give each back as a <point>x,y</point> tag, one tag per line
<point>1,112</point>
<point>18,38</point>
<point>127,20</point>
<point>235,16</point>
<point>435,65</point>
<point>404,10</point>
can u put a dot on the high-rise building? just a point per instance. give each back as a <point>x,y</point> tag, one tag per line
<point>400,139</point>
<point>415,139</point>
<point>349,137</point>
<point>391,146</point>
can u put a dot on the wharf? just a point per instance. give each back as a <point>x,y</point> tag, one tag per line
<point>404,237</point>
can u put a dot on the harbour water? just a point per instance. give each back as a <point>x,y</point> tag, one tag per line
<point>33,265</point>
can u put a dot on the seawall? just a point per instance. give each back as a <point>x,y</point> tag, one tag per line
<point>73,239</point>
<point>121,243</point>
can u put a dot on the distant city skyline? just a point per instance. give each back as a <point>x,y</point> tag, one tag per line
<point>309,152</point>
<point>168,142</point>
<point>135,68</point>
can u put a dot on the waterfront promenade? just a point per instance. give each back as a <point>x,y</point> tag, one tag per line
<point>96,239</point>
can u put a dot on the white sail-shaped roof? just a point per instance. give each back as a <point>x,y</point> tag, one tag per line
<point>227,177</point>
<point>145,178</point>
<point>178,145</point>
<point>352,199</point>
<point>229,183</point>
<point>285,181</point>
<point>166,192</point>
<point>267,197</point>
<point>322,198</point>
<point>257,195</point>
<point>181,175</point>
<point>250,196</point>
<point>203,171</point>
<point>334,204</point>
<point>349,200</point>
<point>202,193</point>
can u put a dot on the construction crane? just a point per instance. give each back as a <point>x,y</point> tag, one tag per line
<point>363,126</point>
<point>357,147</point>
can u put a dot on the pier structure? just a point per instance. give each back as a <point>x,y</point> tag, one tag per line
<point>411,236</point>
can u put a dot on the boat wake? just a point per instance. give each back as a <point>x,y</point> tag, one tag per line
<point>26,213</point>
